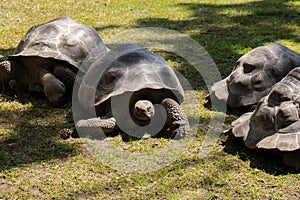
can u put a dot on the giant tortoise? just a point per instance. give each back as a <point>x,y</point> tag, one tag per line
<point>254,75</point>
<point>49,55</point>
<point>136,89</point>
<point>275,123</point>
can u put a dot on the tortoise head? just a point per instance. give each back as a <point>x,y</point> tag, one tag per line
<point>255,74</point>
<point>143,110</point>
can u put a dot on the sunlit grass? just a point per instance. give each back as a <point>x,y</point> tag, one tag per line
<point>36,164</point>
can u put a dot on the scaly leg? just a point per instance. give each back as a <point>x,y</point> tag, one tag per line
<point>177,120</point>
<point>66,75</point>
<point>95,126</point>
<point>10,70</point>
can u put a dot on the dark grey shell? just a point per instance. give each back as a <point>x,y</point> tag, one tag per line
<point>254,75</point>
<point>275,123</point>
<point>61,39</point>
<point>131,69</point>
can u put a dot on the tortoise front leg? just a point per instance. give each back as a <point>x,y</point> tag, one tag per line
<point>5,71</point>
<point>177,120</point>
<point>10,70</point>
<point>66,75</point>
<point>54,89</point>
<point>95,126</point>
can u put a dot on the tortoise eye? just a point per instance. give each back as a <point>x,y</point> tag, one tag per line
<point>248,68</point>
<point>112,75</point>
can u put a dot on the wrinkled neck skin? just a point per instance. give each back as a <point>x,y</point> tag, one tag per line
<point>132,105</point>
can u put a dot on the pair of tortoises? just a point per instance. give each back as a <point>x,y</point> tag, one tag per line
<point>269,78</point>
<point>50,55</point>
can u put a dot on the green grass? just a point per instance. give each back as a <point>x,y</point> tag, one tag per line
<point>36,164</point>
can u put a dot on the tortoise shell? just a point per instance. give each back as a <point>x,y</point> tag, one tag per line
<point>129,69</point>
<point>60,39</point>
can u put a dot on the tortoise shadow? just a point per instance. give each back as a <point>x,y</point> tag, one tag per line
<point>102,28</point>
<point>6,52</point>
<point>30,135</point>
<point>265,160</point>
<point>26,134</point>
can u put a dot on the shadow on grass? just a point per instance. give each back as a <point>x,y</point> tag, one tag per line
<point>226,30</point>
<point>5,52</point>
<point>29,134</point>
<point>102,28</point>
<point>261,159</point>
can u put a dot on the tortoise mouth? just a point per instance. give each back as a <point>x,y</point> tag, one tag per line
<point>140,122</point>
